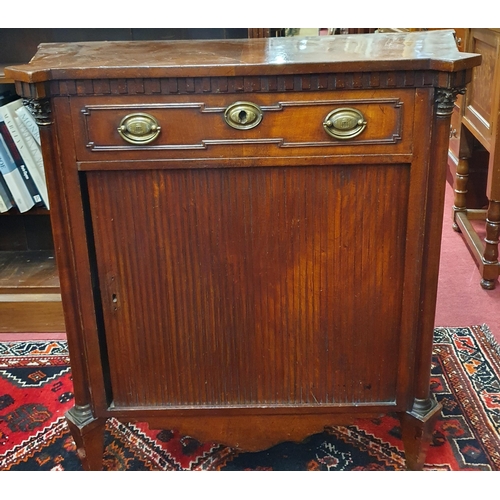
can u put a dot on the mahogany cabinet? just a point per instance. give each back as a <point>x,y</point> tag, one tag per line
<point>248,231</point>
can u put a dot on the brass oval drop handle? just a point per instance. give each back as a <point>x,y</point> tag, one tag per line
<point>139,128</point>
<point>243,115</point>
<point>344,123</point>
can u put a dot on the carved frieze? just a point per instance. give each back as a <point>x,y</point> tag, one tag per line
<point>240,84</point>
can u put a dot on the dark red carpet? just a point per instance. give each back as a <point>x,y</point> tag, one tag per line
<point>35,391</point>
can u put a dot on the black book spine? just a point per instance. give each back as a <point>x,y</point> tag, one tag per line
<point>25,174</point>
<point>5,193</point>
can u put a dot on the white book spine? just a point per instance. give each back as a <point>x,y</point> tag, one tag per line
<point>33,148</point>
<point>38,174</point>
<point>29,122</point>
<point>13,179</point>
<point>3,205</point>
<point>8,113</point>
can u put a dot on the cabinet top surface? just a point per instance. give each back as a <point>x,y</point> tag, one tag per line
<point>426,50</point>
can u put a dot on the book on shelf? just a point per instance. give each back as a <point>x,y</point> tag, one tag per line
<point>14,180</point>
<point>29,122</point>
<point>6,201</point>
<point>18,160</point>
<point>24,139</point>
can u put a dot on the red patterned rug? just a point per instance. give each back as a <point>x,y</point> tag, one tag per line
<point>36,390</point>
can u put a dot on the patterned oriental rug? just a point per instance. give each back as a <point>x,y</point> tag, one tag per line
<point>36,390</point>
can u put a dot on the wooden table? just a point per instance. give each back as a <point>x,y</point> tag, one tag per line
<point>479,122</point>
<point>248,231</point>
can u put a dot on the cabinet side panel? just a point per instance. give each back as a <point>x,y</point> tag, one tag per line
<point>226,287</point>
<point>482,94</point>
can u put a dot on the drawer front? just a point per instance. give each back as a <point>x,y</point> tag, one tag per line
<point>260,125</point>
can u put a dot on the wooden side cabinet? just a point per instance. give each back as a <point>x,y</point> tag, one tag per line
<point>248,231</point>
<point>478,126</point>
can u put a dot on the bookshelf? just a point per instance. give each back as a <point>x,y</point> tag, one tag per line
<point>3,79</point>
<point>30,299</point>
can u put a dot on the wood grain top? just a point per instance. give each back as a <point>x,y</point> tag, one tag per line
<point>426,50</point>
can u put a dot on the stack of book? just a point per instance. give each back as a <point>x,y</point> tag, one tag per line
<point>22,176</point>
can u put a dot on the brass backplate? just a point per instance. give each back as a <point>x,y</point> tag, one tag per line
<point>139,128</point>
<point>344,123</point>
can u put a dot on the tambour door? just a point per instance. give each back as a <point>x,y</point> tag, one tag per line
<point>250,286</point>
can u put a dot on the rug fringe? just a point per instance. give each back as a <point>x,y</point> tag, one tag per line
<point>490,337</point>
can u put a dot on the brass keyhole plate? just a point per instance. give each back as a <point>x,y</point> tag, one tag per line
<point>243,115</point>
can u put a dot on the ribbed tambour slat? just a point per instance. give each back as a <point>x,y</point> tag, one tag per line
<point>254,285</point>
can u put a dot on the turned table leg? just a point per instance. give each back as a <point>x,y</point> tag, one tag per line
<point>417,426</point>
<point>460,189</point>
<point>88,433</point>
<point>490,256</point>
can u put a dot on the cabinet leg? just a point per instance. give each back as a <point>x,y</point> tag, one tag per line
<point>417,426</point>
<point>88,433</point>
<point>460,188</point>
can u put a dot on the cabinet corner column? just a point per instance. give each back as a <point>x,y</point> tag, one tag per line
<point>418,421</point>
<point>41,109</point>
<point>444,99</point>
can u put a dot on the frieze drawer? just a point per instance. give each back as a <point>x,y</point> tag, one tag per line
<point>209,126</point>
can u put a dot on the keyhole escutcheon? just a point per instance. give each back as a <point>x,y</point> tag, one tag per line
<point>243,115</point>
